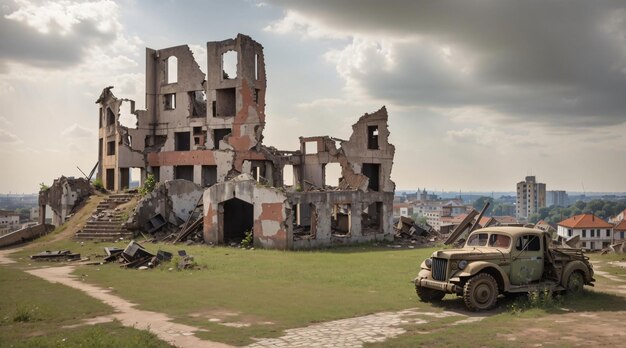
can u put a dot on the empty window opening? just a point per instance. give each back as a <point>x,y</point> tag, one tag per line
<point>372,217</point>
<point>209,175</point>
<point>111,148</point>
<point>229,65</point>
<point>372,171</point>
<point>219,134</point>
<point>110,117</point>
<point>109,182</point>
<point>225,102</point>
<point>169,101</point>
<point>258,171</point>
<point>127,118</point>
<point>304,221</point>
<point>183,172</point>
<point>332,174</point>
<point>199,137</point>
<point>197,104</point>
<point>100,119</point>
<point>288,175</point>
<point>237,220</point>
<point>100,148</point>
<point>181,141</point>
<point>372,137</point>
<point>341,220</point>
<point>171,70</point>
<point>256,66</point>
<point>127,139</point>
<point>310,147</point>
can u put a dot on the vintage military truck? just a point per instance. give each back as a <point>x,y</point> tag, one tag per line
<point>500,260</point>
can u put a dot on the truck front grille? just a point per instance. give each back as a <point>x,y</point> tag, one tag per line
<point>440,266</point>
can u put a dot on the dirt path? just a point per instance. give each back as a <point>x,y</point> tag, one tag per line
<point>158,323</point>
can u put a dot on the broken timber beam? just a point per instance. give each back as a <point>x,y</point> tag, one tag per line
<point>461,228</point>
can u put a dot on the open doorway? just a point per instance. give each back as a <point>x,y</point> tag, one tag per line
<point>371,218</point>
<point>341,220</point>
<point>304,221</point>
<point>238,219</point>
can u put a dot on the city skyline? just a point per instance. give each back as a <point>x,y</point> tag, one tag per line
<point>470,108</point>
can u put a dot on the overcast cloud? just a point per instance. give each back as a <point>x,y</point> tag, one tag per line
<point>559,63</point>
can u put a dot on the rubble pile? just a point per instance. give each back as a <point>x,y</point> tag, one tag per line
<point>57,255</point>
<point>137,257</point>
<point>408,231</point>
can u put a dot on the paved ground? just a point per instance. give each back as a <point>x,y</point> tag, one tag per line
<point>354,332</point>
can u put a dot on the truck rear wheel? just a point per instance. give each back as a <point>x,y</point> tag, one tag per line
<point>429,295</point>
<point>480,292</point>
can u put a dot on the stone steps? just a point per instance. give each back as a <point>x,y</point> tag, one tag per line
<point>109,226</point>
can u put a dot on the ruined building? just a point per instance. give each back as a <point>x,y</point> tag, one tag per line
<point>209,129</point>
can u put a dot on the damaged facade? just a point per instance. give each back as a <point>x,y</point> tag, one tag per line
<point>64,198</point>
<point>208,129</point>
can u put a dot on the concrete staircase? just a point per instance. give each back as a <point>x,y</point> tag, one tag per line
<point>105,223</point>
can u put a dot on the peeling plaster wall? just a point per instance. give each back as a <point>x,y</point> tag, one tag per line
<point>269,211</point>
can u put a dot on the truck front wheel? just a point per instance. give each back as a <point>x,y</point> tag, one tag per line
<point>575,283</point>
<point>429,295</point>
<point>480,292</point>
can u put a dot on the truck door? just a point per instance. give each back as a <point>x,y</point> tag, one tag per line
<point>527,259</point>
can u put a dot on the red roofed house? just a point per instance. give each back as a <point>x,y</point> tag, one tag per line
<point>595,233</point>
<point>619,231</point>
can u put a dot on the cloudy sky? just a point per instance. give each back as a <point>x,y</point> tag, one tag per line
<point>480,92</point>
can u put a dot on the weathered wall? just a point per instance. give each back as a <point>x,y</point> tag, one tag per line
<point>25,234</point>
<point>63,196</point>
<point>269,211</point>
<point>174,200</point>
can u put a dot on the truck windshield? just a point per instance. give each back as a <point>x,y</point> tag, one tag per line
<point>477,239</point>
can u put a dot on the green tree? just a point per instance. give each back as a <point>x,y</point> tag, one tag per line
<point>479,204</point>
<point>533,218</point>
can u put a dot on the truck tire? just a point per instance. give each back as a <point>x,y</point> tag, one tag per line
<point>480,292</point>
<point>575,283</point>
<point>429,295</point>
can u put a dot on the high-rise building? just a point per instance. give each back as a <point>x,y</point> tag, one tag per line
<point>531,196</point>
<point>556,198</point>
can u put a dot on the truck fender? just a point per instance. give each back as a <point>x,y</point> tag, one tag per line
<point>575,265</point>
<point>476,267</point>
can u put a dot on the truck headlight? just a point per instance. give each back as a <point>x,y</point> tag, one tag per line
<point>428,262</point>
<point>462,264</point>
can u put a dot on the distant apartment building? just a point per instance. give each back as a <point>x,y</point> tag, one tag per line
<point>9,219</point>
<point>531,196</point>
<point>402,209</point>
<point>594,232</point>
<point>556,198</point>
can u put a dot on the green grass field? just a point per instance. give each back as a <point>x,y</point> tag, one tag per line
<point>268,291</point>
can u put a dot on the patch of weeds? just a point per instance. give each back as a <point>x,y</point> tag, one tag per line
<point>247,241</point>
<point>24,314</point>
<point>536,299</point>
<point>148,185</point>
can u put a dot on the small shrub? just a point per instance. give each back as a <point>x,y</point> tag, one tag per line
<point>24,314</point>
<point>97,183</point>
<point>43,187</point>
<point>248,240</point>
<point>536,299</point>
<point>148,185</point>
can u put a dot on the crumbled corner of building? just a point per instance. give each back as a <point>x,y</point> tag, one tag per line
<point>65,197</point>
<point>208,130</point>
